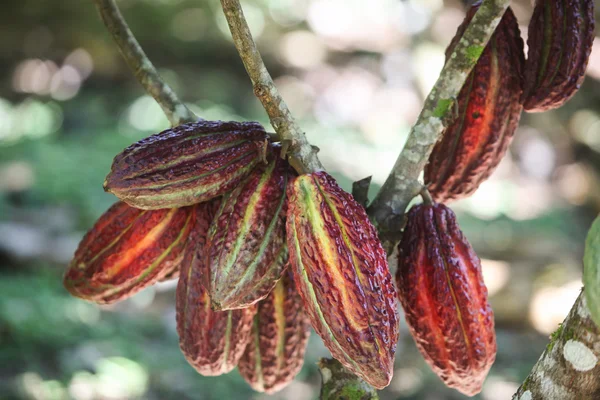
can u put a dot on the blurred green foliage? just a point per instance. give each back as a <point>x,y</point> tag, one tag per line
<point>356,103</point>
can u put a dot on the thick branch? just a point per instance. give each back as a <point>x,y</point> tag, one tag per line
<point>402,184</point>
<point>340,384</point>
<point>569,368</point>
<point>302,156</point>
<point>142,68</point>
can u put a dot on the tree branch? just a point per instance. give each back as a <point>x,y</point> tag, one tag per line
<point>340,384</point>
<point>402,185</point>
<point>142,68</point>
<point>301,155</point>
<point>568,369</point>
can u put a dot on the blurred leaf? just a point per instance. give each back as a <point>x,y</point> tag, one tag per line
<point>591,270</point>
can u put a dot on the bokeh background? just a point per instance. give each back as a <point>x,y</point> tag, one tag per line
<point>355,73</point>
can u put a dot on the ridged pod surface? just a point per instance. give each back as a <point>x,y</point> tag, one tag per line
<point>489,110</point>
<point>246,247</point>
<point>211,341</point>
<point>127,250</point>
<point>275,353</point>
<point>188,164</point>
<point>441,289</point>
<point>561,34</point>
<point>342,274</point>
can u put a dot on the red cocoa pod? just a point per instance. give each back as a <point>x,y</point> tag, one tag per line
<point>561,34</point>
<point>341,272</point>
<point>211,341</point>
<point>127,250</point>
<point>489,110</point>
<point>188,164</point>
<point>246,249</point>
<point>275,353</point>
<point>441,289</point>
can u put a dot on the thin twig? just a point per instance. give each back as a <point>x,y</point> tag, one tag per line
<point>402,185</point>
<point>142,68</point>
<point>301,155</point>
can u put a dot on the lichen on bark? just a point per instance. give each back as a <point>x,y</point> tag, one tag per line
<point>569,368</point>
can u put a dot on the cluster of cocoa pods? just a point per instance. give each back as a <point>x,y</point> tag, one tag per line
<point>439,279</point>
<point>262,254</point>
<point>503,83</point>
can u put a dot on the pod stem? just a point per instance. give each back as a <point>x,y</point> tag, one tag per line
<point>302,156</point>
<point>426,196</point>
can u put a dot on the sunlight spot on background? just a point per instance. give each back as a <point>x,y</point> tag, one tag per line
<point>360,164</point>
<point>82,61</point>
<point>302,49</point>
<point>573,183</point>
<point>537,155</point>
<point>487,202</point>
<point>347,97</point>
<point>145,114</point>
<point>412,17</point>
<point>495,274</point>
<point>407,381</point>
<point>34,118</point>
<point>87,313</point>
<point>16,176</point>
<point>297,93</point>
<point>593,68</point>
<point>29,119</point>
<point>387,116</point>
<point>82,312</point>
<point>357,24</point>
<point>144,298</point>
<point>431,5</point>
<point>288,12</point>
<point>121,378</point>
<point>427,62</point>
<point>65,83</point>
<point>34,76</point>
<point>550,305</point>
<point>585,125</point>
<point>397,69</point>
<point>82,386</point>
<point>496,388</point>
<point>531,199</point>
<point>444,26</point>
<point>34,387</point>
<point>214,111</point>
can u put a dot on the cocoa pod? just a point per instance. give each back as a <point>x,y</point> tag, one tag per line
<point>561,34</point>
<point>211,341</point>
<point>275,353</point>
<point>489,110</point>
<point>246,247</point>
<point>341,272</point>
<point>187,164</point>
<point>127,250</point>
<point>441,289</point>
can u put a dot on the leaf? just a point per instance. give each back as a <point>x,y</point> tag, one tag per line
<point>591,270</point>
